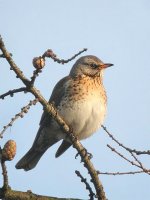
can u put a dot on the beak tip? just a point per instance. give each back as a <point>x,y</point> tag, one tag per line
<point>106,65</point>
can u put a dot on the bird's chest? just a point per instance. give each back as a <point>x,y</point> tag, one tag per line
<point>84,110</point>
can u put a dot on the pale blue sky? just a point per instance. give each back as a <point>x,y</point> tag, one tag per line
<point>115,31</point>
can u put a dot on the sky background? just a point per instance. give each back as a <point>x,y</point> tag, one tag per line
<point>115,31</point>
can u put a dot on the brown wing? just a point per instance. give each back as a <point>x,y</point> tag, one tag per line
<point>56,97</point>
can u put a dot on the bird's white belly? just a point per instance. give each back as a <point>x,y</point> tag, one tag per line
<point>84,117</point>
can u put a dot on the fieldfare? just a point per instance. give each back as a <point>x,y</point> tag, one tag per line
<point>81,100</point>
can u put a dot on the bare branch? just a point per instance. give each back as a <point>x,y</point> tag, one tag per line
<point>121,173</point>
<point>136,159</point>
<point>18,195</point>
<point>5,176</point>
<point>131,162</point>
<point>123,146</point>
<point>35,75</point>
<point>140,164</point>
<point>39,62</point>
<point>18,115</point>
<point>12,92</point>
<point>122,156</point>
<point>53,112</point>
<point>49,54</point>
<point>91,193</point>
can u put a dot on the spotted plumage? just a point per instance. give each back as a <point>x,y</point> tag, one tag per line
<point>80,99</point>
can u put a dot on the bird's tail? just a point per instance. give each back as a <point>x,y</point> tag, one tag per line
<point>30,159</point>
<point>40,145</point>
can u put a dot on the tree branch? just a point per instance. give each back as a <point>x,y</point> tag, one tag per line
<point>39,62</point>
<point>91,193</point>
<point>20,114</point>
<point>50,54</point>
<point>12,92</point>
<point>121,173</point>
<point>4,173</point>
<point>123,146</point>
<point>18,195</point>
<point>53,112</point>
<point>138,164</point>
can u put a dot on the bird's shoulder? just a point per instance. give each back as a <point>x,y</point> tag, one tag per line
<point>59,90</point>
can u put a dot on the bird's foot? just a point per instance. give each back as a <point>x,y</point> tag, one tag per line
<point>86,153</point>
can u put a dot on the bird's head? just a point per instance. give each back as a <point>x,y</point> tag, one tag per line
<point>88,66</point>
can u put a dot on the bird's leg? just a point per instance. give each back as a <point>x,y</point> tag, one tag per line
<point>86,153</point>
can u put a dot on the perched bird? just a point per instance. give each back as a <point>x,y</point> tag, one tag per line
<point>80,99</point>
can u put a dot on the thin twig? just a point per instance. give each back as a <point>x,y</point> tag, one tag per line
<point>91,193</point>
<point>35,75</point>
<point>122,156</point>
<point>140,164</point>
<point>136,159</point>
<point>131,162</point>
<point>53,112</point>
<point>123,146</point>
<point>39,62</point>
<point>18,115</point>
<point>5,176</point>
<point>49,53</point>
<point>12,92</point>
<point>121,173</point>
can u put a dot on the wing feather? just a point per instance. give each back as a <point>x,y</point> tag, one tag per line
<point>56,97</point>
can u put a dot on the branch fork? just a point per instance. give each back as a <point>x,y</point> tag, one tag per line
<point>53,112</point>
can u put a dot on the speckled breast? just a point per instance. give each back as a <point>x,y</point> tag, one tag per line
<point>84,105</point>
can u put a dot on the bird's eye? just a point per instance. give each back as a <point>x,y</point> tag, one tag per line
<point>93,65</point>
